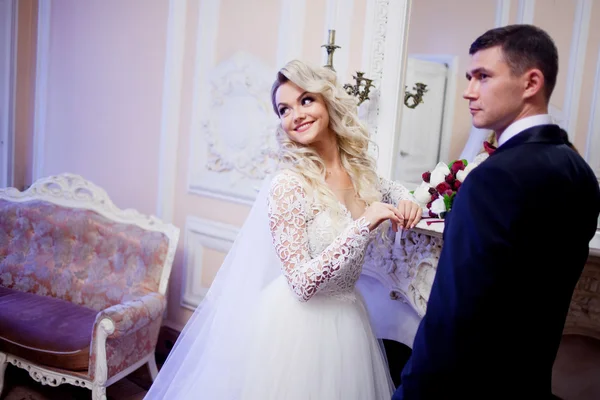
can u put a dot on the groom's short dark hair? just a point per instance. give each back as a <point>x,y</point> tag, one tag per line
<point>524,47</point>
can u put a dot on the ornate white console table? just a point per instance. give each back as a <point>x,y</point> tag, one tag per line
<point>396,284</point>
<point>396,281</point>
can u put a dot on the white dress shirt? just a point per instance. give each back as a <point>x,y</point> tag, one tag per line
<point>525,123</point>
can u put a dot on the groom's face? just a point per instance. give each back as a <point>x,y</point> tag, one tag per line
<point>495,94</point>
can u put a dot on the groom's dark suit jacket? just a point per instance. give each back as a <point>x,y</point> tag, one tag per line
<point>515,244</point>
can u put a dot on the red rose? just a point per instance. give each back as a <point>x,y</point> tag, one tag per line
<point>434,194</point>
<point>456,184</point>
<point>448,192</point>
<point>457,166</point>
<point>426,176</point>
<point>443,187</point>
<point>434,215</point>
<point>450,178</point>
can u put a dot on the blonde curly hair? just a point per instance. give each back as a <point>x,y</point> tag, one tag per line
<point>352,136</point>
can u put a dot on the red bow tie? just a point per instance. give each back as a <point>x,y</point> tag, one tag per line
<point>489,148</point>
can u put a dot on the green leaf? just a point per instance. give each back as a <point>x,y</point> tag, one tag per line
<point>448,200</point>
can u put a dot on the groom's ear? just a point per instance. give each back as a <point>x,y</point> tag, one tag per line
<point>534,82</point>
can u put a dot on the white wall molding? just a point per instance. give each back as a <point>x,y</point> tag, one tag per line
<point>369,36</point>
<point>291,31</point>
<point>208,20</point>
<point>592,148</point>
<point>171,109</point>
<point>229,157</point>
<point>41,88</point>
<point>376,20</point>
<point>581,27</point>
<point>199,235</point>
<point>384,61</point>
<point>339,17</point>
<point>526,12</point>
<point>502,12</point>
<point>234,155</point>
<point>8,70</point>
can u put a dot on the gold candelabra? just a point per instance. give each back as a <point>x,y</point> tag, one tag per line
<point>330,47</point>
<point>417,98</point>
<point>362,86</point>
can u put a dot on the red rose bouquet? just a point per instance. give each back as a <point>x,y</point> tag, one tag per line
<point>439,187</point>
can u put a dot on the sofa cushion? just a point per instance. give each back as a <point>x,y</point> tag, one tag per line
<point>50,331</point>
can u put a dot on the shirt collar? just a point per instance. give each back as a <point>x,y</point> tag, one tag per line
<point>520,125</point>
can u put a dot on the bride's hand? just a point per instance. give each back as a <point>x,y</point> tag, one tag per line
<point>411,214</point>
<point>378,212</point>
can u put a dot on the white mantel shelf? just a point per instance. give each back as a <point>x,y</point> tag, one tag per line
<point>437,230</point>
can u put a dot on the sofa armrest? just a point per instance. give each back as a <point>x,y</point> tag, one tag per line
<point>130,316</point>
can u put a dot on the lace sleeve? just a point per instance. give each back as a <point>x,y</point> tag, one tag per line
<point>287,218</point>
<point>392,192</point>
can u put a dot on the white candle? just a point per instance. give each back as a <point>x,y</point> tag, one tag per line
<point>331,37</point>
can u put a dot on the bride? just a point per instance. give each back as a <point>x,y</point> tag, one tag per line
<point>283,319</point>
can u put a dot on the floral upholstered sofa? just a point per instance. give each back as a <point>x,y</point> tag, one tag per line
<point>82,284</point>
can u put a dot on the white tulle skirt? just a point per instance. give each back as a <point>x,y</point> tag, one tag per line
<point>323,349</point>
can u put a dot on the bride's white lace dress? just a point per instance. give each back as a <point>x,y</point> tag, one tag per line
<point>313,338</point>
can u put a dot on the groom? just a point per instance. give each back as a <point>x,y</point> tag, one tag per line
<point>515,242</point>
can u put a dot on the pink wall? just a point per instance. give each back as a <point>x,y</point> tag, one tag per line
<point>250,26</point>
<point>313,31</point>
<point>105,74</point>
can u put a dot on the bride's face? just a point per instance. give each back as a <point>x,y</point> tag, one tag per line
<point>303,115</point>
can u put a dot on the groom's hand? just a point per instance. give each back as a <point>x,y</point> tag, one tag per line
<point>411,213</point>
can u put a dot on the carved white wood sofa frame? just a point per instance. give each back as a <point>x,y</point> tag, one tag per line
<point>128,311</point>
